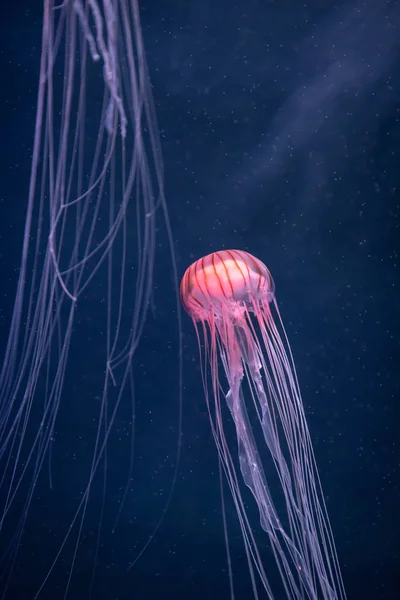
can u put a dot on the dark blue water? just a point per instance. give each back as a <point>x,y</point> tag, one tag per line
<point>280,125</point>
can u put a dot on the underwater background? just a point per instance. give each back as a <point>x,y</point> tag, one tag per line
<point>280,128</point>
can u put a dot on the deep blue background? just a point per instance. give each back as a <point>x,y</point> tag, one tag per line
<point>280,126</point>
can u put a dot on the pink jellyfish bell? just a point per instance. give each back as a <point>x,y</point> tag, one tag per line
<point>230,296</point>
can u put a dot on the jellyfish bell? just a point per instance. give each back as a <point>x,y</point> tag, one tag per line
<point>224,280</point>
<point>230,296</point>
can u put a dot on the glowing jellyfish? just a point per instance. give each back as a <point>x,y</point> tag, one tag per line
<point>230,296</point>
<point>88,252</point>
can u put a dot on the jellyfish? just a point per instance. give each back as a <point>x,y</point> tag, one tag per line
<point>230,296</point>
<point>94,202</point>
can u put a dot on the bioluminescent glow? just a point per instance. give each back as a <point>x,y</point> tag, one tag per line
<point>230,296</point>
